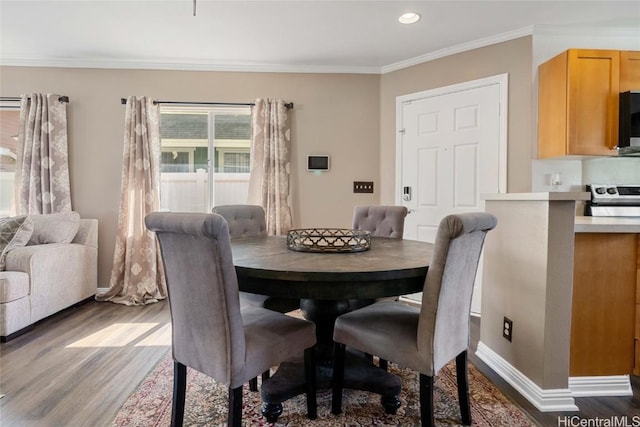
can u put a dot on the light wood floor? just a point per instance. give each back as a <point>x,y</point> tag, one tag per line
<point>78,367</point>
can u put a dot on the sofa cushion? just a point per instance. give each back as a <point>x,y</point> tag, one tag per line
<point>14,232</point>
<point>13,285</point>
<point>54,228</point>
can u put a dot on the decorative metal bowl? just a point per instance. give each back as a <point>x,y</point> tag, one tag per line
<point>328,240</point>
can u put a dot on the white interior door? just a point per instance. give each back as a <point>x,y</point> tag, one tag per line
<point>451,149</point>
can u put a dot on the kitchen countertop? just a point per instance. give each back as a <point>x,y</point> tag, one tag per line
<point>606,224</point>
<point>583,224</point>
<point>543,196</point>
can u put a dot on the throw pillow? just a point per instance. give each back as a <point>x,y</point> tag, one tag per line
<point>54,228</point>
<point>14,233</point>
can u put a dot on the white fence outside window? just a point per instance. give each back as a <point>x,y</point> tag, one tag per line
<point>7,180</point>
<point>179,192</point>
<point>188,192</point>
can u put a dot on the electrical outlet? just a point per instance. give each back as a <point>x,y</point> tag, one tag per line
<point>507,329</point>
<point>363,186</point>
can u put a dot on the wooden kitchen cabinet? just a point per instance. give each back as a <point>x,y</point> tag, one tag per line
<point>629,71</point>
<point>578,95</point>
<point>604,326</point>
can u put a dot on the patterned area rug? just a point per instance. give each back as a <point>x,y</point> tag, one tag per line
<point>206,403</point>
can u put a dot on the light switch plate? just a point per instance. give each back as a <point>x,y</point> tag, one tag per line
<point>363,186</point>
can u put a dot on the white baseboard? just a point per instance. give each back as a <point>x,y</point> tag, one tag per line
<point>612,385</point>
<point>545,400</point>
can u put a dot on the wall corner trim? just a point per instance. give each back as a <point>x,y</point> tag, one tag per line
<point>545,400</point>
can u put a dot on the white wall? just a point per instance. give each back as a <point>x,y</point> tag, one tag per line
<point>567,172</point>
<point>576,173</point>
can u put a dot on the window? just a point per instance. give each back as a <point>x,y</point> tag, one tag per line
<point>205,157</point>
<point>9,124</point>
<point>176,160</point>
<point>235,161</point>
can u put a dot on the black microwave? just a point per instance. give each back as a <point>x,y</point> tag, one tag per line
<point>629,122</point>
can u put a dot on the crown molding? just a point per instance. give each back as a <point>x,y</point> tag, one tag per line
<point>463,47</point>
<point>186,66</point>
<point>264,68</point>
<point>195,65</point>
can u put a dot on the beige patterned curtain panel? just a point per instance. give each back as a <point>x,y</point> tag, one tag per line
<point>137,277</point>
<point>42,164</point>
<point>270,163</point>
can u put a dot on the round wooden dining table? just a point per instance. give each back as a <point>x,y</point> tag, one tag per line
<point>328,285</point>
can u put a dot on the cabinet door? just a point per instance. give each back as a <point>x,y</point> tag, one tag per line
<point>592,99</point>
<point>629,71</point>
<point>603,318</point>
<point>552,107</point>
<point>636,366</point>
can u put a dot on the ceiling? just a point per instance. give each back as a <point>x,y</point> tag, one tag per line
<point>316,36</point>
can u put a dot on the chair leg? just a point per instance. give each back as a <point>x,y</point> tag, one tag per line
<point>179,391</point>
<point>338,378</point>
<point>253,382</point>
<point>310,382</point>
<point>235,407</point>
<point>463,388</point>
<point>384,364</point>
<point>426,401</point>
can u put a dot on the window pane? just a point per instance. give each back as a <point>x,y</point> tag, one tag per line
<point>184,126</point>
<point>232,137</point>
<point>9,123</point>
<point>188,134</point>
<point>233,126</point>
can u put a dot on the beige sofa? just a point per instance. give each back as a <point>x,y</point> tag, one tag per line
<point>43,278</point>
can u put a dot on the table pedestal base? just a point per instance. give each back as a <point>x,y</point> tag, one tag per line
<point>359,374</point>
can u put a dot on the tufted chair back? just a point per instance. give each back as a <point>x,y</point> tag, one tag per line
<point>381,221</point>
<point>243,220</point>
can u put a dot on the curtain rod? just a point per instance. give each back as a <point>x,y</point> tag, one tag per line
<point>17,98</point>
<point>246,104</point>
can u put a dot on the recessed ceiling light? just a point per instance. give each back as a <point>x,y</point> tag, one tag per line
<point>409,18</point>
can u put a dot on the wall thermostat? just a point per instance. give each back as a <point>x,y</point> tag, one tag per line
<point>318,163</point>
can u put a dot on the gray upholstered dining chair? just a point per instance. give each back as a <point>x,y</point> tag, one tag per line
<point>243,220</point>
<point>211,332</point>
<point>249,221</point>
<point>427,338</point>
<point>381,221</point>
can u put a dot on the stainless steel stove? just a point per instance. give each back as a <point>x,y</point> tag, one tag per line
<point>613,200</point>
